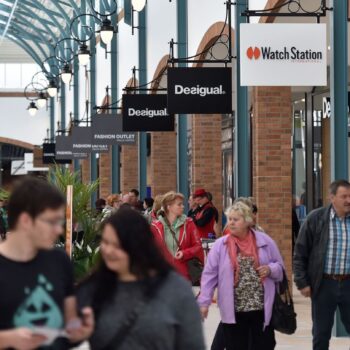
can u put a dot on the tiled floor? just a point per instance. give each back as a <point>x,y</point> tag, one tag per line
<point>301,340</point>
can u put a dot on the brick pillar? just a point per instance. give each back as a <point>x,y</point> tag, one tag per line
<point>129,167</point>
<point>207,156</point>
<point>272,165</point>
<point>105,174</point>
<point>163,162</point>
<point>85,170</point>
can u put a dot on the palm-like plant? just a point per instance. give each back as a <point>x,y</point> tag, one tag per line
<point>62,177</point>
<point>4,195</point>
<point>85,250</point>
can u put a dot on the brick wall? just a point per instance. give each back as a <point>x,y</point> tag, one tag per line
<point>85,170</point>
<point>129,167</point>
<point>206,156</point>
<point>163,162</point>
<point>272,164</point>
<point>105,174</point>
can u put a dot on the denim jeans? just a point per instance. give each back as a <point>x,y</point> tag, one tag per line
<point>332,294</point>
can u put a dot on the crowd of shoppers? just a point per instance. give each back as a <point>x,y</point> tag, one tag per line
<point>139,296</point>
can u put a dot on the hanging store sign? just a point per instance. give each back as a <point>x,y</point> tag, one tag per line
<point>326,106</point>
<point>49,153</point>
<point>107,129</point>
<point>199,90</point>
<point>81,142</point>
<point>282,54</point>
<point>146,113</point>
<point>63,147</point>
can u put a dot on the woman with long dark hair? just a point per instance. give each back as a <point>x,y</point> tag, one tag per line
<point>138,300</point>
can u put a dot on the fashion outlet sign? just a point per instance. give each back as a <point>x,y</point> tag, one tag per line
<point>283,54</point>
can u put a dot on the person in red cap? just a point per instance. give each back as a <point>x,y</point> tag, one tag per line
<point>206,215</point>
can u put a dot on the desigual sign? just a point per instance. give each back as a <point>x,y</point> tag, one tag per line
<point>283,54</point>
<point>146,113</point>
<point>199,90</point>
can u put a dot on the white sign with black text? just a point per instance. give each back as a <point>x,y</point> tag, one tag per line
<point>283,54</point>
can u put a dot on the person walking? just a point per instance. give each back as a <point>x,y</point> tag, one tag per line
<point>219,338</point>
<point>140,303</point>
<point>37,291</point>
<point>322,263</point>
<point>176,233</point>
<point>245,266</point>
<point>206,215</point>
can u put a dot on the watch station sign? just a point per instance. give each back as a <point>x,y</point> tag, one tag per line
<point>283,54</point>
<point>199,90</point>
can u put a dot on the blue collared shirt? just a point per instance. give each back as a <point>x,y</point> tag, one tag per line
<point>338,248</point>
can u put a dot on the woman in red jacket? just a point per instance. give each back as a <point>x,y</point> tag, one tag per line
<point>176,233</point>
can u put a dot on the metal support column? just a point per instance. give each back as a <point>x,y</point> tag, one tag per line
<point>63,105</point>
<point>339,90</point>
<point>242,168</point>
<point>114,98</point>
<point>93,161</point>
<point>76,163</point>
<point>142,80</point>
<point>52,119</point>
<point>182,154</point>
<point>309,152</point>
<point>339,104</point>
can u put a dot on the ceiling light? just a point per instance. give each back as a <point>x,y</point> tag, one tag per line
<point>84,55</point>
<point>66,74</point>
<point>138,5</point>
<point>32,109</point>
<point>106,31</point>
<point>41,100</point>
<point>52,89</point>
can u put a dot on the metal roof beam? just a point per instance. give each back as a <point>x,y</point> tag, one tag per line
<point>38,6</point>
<point>26,48</point>
<point>25,35</point>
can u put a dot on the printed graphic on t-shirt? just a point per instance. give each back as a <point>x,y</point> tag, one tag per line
<point>39,309</point>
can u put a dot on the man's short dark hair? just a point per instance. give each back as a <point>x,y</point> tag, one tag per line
<point>100,203</point>
<point>135,192</point>
<point>149,201</point>
<point>333,188</point>
<point>32,196</point>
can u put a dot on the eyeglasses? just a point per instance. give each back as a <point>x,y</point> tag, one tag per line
<point>53,222</point>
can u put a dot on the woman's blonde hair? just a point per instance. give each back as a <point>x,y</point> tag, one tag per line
<point>242,209</point>
<point>169,198</point>
<point>157,204</point>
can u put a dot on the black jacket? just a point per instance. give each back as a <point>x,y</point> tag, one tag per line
<point>310,249</point>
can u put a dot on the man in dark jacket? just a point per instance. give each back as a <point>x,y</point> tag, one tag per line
<point>322,263</point>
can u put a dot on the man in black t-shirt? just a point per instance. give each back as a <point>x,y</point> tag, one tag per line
<point>37,294</point>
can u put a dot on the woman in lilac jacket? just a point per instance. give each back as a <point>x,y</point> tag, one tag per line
<point>245,266</point>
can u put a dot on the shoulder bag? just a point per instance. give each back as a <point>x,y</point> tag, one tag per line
<point>283,316</point>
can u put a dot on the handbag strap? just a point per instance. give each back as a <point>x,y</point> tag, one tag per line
<point>284,288</point>
<point>126,327</point>
<point>130,320</point>
<point>172,231</point>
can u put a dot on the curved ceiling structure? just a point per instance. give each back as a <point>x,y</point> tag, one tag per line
<point>37,25</point>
